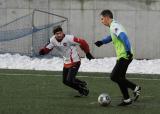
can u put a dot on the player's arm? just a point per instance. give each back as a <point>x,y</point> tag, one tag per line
<point>84,46</point>
<point>124,38</point>
<point>105,40</point>
<point>46,49</point>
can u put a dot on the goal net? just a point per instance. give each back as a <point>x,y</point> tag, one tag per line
<point>27,34</point>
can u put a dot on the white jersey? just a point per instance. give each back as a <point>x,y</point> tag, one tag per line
<point>67,47</point>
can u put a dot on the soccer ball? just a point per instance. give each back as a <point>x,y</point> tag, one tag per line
<point>104,99</point>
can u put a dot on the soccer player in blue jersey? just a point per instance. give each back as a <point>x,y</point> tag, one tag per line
<point>120,40</point>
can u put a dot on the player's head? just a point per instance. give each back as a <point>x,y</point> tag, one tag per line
<point>58,32</point>
<point>106,17</point>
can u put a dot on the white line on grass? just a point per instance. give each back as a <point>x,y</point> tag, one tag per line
<point>147,96</point>
<point>92,103</point>
<point>18,74</point>
<point>134,78</point>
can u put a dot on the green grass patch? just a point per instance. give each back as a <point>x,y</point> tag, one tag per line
<point>42,92</point>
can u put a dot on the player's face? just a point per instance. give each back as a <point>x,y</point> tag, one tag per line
<point>59,35</point>
<point>105,20</point>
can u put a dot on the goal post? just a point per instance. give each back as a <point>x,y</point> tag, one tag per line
<point>27,34</point>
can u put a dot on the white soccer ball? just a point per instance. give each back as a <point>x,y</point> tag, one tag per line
<point>104,99</point>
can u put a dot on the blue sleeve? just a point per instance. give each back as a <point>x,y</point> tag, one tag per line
<point>106,39</point>
<point>125,40</point>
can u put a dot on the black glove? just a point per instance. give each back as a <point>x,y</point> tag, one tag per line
<point>98,43</point>
<point>89,56</point>
<point>41,52</point>
<point>129,55</point>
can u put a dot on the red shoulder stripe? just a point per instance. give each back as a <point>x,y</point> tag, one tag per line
<point>83,44</point>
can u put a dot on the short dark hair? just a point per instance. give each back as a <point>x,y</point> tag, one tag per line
<point>57,29</point>
<point>107,13</point>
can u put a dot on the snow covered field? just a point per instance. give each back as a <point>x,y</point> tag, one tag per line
<point>16,61</point>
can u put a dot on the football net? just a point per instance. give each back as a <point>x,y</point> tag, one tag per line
<point>27,34</point>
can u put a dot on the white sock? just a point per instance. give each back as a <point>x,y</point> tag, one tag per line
<point>127,100</point>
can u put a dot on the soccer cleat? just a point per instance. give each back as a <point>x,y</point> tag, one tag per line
<point>84,91</point>
<point>136,93</point>
<point>125,102</point>
<point>83,84</point>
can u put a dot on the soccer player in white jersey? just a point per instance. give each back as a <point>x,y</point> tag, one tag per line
<point>120,40</point>
<point>67,45</point>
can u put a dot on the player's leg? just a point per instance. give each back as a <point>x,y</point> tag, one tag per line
<point>81,85</point>
<point>116,76</point>
<point>74,71</point>
<point>136,89</point>
<point>124,66</point>
<point>66,80</point>
<point>65,74</point>
<point>69,80</point>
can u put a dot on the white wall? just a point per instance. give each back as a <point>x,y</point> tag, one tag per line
<point>140,18</point>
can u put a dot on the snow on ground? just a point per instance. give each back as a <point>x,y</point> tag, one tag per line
<point>16,61</point>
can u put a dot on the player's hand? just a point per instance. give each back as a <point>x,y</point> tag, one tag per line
<point>89,56</point>
<point>129,55</point>
<point>42,52</point>
<point>98,43</point>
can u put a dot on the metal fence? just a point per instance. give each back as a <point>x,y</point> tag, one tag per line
<point>27,34</point>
